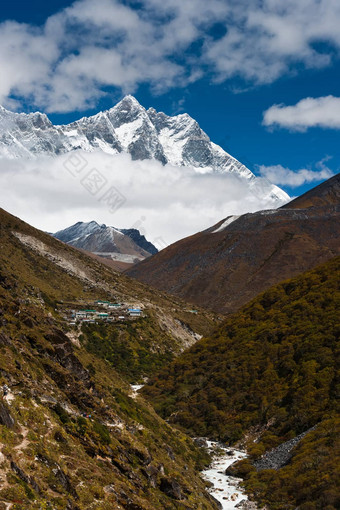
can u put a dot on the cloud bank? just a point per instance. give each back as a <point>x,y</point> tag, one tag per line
<point>166,203</point>
<point>95,45</point>
<point>294,178</point>
<point>310,112</point>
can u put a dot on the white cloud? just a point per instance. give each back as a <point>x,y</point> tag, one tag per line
<point>294,178</point>
<point>321,112</point>
<point>268,38</point>
<point>69,62</point>
<point>163,201</point>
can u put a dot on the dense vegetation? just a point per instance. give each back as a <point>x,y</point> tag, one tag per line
<point>135,349</point>
<point>270,367</point>
<point>310,481</point>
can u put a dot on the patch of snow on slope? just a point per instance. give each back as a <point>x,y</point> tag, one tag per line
<point>172,146</point>
<point>126,133</point>
<point>227,222</point>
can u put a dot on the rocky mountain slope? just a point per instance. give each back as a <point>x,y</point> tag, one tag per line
<point>227,265</point>
<point>267,375</point>
<point>73,435</point>
<point>124,245</point>
<point>128,127</point>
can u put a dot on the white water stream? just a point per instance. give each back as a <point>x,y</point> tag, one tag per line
<point>225,488</point>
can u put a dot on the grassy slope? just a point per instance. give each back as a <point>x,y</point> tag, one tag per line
<point>124,456</point>
<point>272,365</point>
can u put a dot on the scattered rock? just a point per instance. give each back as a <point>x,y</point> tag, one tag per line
<point>229,452</point>
<point>201,442</point>
<point>281,455</point>
<point>246,505</point>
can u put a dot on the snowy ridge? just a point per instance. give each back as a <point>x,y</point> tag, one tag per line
<point>128,127</point>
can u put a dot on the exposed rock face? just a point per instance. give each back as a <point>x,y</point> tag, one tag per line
<point>5,416</point>
<point>25,478</point>
<point>4,339</point>
<point>63,354</point>
<point>171,488</point>
<point>227,265</point>
<point>65,481</point>
<point>139,239</point>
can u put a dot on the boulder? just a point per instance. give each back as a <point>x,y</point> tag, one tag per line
<point>4,340</point>
<point>5,416</point>
<point>201,442</point>
<point>171,488</point>
<point>246,505</point>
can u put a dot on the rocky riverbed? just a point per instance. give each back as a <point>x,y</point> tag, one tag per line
<point>225,489</point>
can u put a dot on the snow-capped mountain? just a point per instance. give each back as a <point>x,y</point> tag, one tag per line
<point>121,245</point>
<point>130,128</point>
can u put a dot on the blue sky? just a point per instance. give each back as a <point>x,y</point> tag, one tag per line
<point>223,62</point>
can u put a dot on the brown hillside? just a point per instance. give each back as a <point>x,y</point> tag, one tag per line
<point>225,269</point>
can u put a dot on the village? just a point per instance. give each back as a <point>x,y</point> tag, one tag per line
<point>101,311</point>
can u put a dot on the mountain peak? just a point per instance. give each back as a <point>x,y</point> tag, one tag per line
<point>129,102</point>
<point>128,127</point>
<point>110,242</point>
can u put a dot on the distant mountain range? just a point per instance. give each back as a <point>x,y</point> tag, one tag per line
<point>122,245</point>
<point>230,263</point>
<point>130,128</point>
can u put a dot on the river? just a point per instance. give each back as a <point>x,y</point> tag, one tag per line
<point>225,488</point>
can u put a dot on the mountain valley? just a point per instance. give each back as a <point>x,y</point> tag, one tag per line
<point>112,390</point>
<point>71,434</point>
